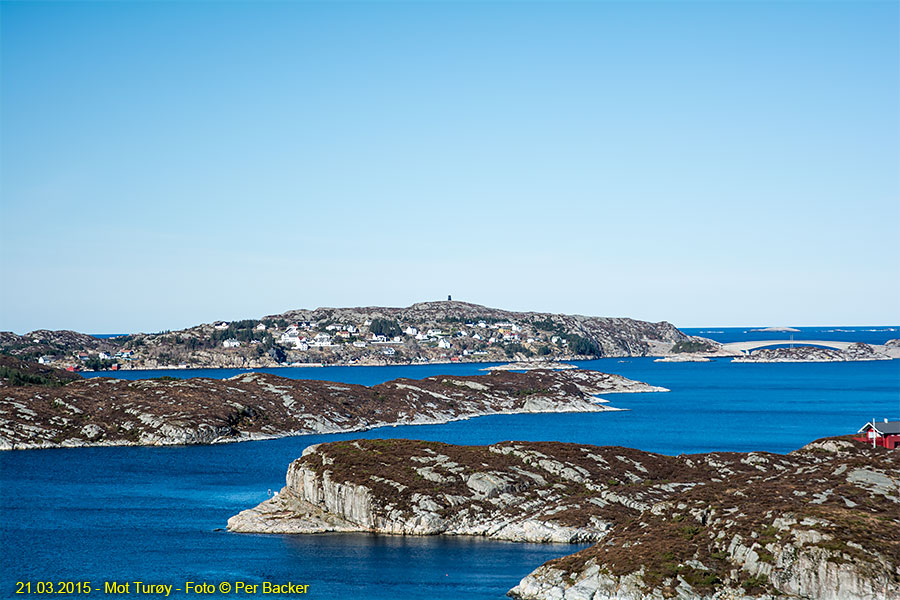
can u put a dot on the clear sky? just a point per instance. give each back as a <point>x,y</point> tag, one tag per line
<point>170,163</point>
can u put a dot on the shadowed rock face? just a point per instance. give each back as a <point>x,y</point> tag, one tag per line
<point>257,405</point>
<point>821,522</point>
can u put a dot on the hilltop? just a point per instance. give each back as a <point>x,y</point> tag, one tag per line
<point>425,332</point>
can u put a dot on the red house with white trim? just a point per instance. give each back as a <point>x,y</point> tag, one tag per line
<point>886,434</point>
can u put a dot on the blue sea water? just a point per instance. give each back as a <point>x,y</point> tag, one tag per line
<point>868,334</point>
<point>151,514</point>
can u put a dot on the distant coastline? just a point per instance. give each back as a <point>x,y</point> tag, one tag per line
<point>783,329</point>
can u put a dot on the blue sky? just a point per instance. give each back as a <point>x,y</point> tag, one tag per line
<point>169,163</point>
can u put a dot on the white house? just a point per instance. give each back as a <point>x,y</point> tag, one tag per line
<point>359,344</point>
<point>231,343</point>
<point>411,331</point>
<point>104,356</point>
<point>291,337</point>
<point>388,351</point>
<point>45,360</point>
<point>421,336</point>
<point>220,325</point>
<point>322,339</point>
<point>443,343</point>
<point>260,326</point>
<point>435,333</point>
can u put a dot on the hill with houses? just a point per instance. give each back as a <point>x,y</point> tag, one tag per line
<point>426,332</point>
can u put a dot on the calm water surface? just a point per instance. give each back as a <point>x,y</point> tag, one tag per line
<point>151,514</point>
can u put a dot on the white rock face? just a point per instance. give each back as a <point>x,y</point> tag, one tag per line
<point>314,502</point>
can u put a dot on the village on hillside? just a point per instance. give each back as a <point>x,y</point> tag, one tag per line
<point>349,337</point>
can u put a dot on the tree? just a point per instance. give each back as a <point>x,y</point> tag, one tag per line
<point>386,327</point>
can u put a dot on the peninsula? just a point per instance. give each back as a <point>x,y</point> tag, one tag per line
<point>45,410</point>
<point>819,522</point>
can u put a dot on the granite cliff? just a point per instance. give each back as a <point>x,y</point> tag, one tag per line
<point>44,412</point>
<point>820,522</point>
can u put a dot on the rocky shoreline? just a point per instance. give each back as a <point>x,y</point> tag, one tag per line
<point>167,411</point>
<point>815,523</point>
<point>532,366</point>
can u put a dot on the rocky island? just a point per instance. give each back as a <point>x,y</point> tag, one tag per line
<point>425,332</point>
<point>820,522</point>
<point>52,410</point>
<point>853,352</point>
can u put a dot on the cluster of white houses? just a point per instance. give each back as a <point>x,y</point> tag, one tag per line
<point>301,336</point>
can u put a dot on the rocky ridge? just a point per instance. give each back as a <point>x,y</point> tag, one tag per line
<point>169,411</point>
<point>820,522</point>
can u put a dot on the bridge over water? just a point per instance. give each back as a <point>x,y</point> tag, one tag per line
<point>750,346</point>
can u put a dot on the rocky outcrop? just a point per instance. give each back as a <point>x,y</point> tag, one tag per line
<point>890,348</point>
<point>170,411</point>
<point>857,351</point>
<point>62,344</point>
<point>821,522</point>
<point>532,492</point>
<point>684,358</point>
